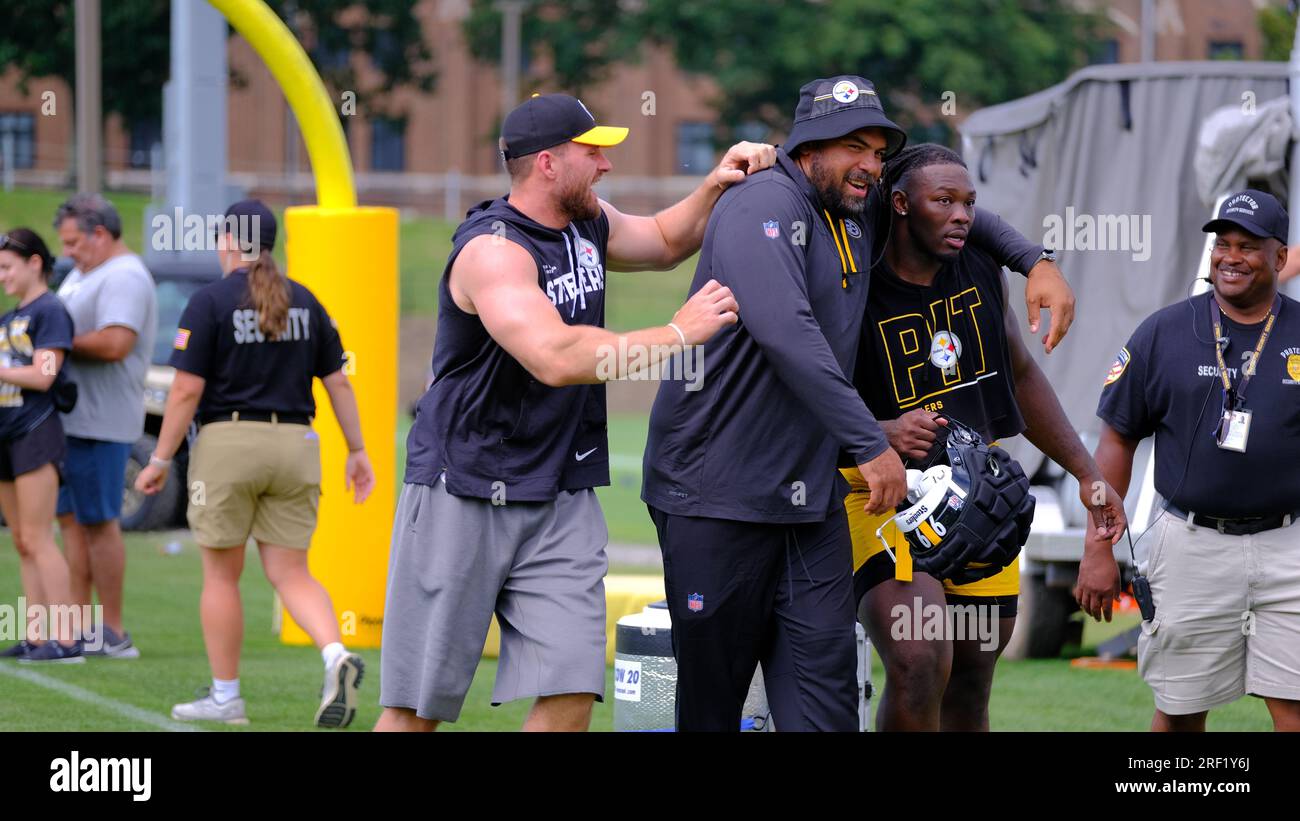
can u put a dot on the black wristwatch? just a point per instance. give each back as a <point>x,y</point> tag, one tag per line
<point>1048,254</point>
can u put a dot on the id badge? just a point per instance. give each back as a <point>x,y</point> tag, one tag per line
<point>1236,426</point>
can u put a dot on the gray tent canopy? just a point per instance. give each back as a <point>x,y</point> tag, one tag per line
<point>1238,152</point>
<point>1101,166</point>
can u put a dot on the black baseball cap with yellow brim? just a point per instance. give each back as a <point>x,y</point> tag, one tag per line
<point>546,120</point>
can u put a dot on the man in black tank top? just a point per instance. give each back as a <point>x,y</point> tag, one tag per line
<point>940,339</point>
<point>498,513</point>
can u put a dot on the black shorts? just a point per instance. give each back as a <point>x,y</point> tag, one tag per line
<point>1008,606</point>
<point>42,445</point>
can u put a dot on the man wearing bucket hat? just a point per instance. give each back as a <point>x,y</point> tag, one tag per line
<point>740,477</point>
<point>1220,590</point>
<point>498,512</point>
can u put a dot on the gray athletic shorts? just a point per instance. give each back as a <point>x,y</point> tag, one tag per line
<point>540,566</point>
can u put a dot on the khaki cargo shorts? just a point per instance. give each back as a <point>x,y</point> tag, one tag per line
<point>254,478</point>
<point>1227,616</point>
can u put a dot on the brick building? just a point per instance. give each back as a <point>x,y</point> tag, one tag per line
<point>443,155</point>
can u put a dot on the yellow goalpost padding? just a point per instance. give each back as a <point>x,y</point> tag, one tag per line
<point>348,258</point>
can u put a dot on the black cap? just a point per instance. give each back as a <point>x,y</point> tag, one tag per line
<point>546,120</point>
<point>1254,212</point>
<point>251,221</point>
<point>831,108</point>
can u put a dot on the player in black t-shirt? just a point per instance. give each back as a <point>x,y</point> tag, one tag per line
<point>940,338</point>
<point>245,354</point>
<point>34,338</point>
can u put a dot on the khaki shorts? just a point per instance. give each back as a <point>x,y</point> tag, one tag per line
<point>254,478</point>
<point>1227,616</point>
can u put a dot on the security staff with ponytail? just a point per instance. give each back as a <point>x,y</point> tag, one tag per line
<point>246,352</point>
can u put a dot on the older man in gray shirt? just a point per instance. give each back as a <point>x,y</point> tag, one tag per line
<point>111,298</point>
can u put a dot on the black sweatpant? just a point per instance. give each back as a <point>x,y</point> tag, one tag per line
<point>742,593</point>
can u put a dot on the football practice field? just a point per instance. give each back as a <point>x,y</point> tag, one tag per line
<point>280,683</point>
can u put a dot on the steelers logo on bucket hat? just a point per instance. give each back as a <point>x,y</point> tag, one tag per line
<point>834,106</point>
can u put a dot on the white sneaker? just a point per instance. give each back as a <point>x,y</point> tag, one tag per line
<point>338,704</point>
<point>207,709</point>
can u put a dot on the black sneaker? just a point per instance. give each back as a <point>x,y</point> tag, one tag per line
<point>51,652</point>
<point>113,645</point>
<point>17,651</point>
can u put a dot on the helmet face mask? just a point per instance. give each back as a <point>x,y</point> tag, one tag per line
<point>934,524</point>
<point>975,509</point>
<point>935,503</point>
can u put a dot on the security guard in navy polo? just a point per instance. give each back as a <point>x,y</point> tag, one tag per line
<point>246,352</point>
<point>740,477</point>
<point>1216,380</point>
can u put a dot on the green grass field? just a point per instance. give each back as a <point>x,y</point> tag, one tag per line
<point>35,209</point>
<point>621,501</point>
<point>280,683</point>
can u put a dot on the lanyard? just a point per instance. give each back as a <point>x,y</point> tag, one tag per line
<point>1239,398</point>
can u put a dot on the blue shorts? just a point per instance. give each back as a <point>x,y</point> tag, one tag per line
<point>94,475</point>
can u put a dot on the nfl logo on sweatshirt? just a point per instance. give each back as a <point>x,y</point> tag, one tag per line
<point>695,602</point>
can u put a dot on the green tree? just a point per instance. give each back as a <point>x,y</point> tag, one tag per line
<point>389,34</point>
<point>37,38</point>
<point>758,52</point>
<point>581,39</point>
<point>1277,25</point>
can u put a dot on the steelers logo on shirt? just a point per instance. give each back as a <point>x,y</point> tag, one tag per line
<point>588,256</point>
<point>945,349</point>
